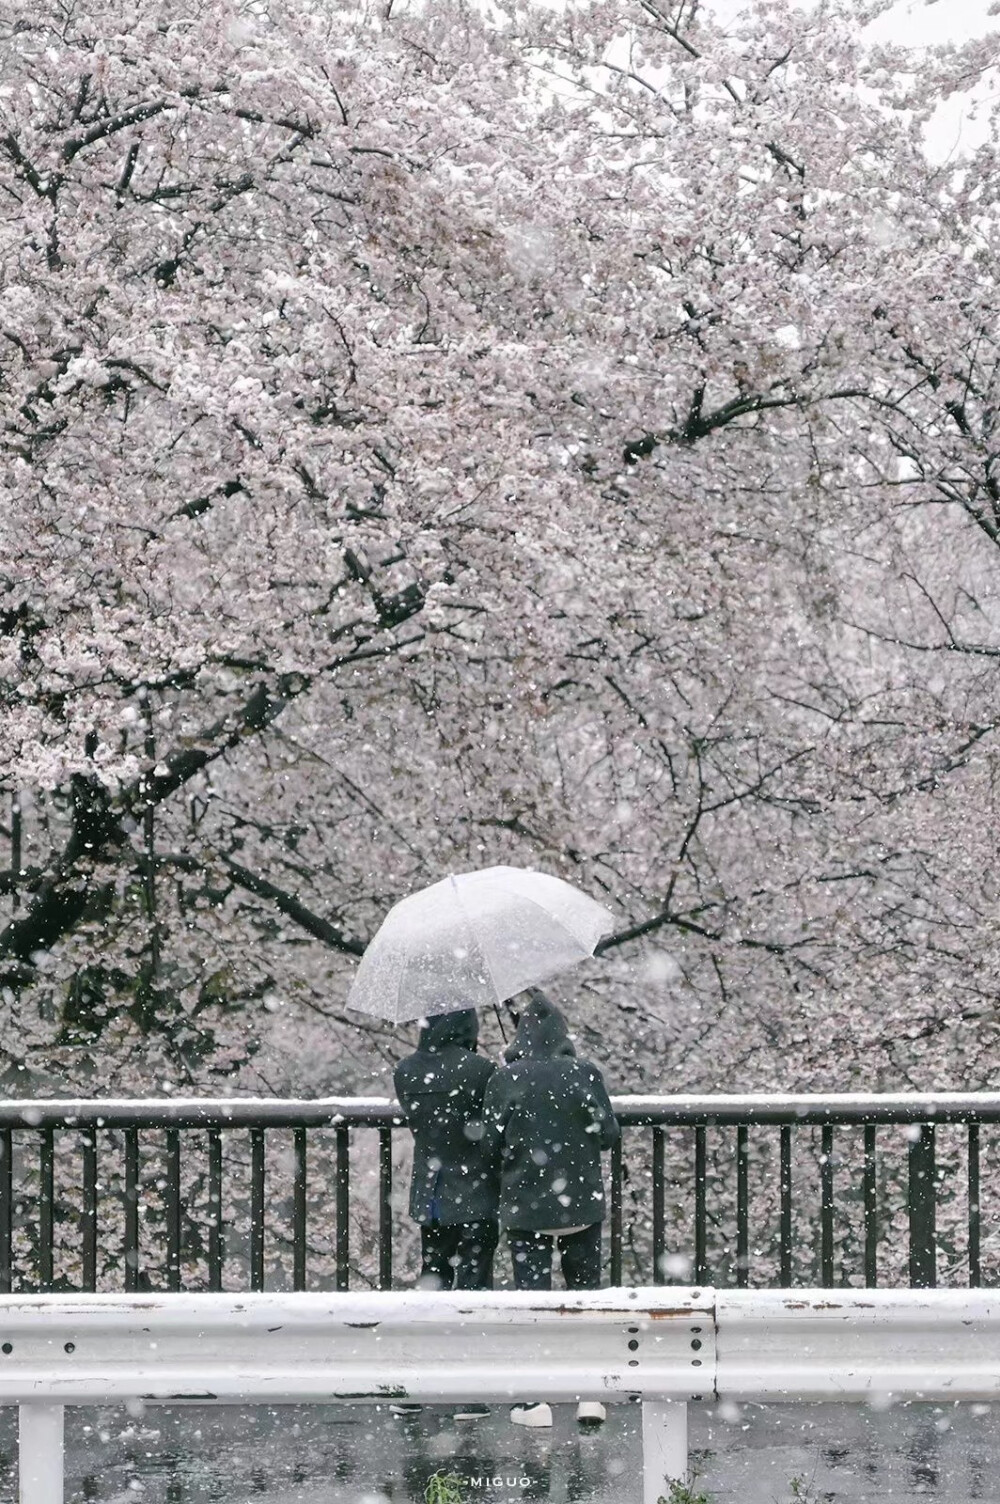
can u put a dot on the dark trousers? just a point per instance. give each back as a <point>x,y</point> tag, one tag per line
<point>579,1252</point>
<point>457,1255</point>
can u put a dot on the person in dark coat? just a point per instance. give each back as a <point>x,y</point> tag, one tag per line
<point>453,1193</point>
<point>548,1118</point>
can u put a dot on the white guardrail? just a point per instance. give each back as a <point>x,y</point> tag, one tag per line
<point>661,1346</point>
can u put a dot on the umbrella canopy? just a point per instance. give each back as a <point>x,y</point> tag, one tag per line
<point>473,940</point>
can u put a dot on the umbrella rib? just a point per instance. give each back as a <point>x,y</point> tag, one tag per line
<point>399,985</point>
<point>474,939</point>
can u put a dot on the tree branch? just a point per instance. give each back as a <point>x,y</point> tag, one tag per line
<point>294,908</point>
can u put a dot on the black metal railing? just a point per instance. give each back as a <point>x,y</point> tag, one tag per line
<point>725,1190</point>
<point>896,1222</point>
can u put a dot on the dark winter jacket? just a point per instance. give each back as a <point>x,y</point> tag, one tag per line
<point>440,1088</point>
<point>547,1119</point>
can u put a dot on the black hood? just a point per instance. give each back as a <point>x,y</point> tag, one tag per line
<point>541,1032</point>
<point>445,1030</point>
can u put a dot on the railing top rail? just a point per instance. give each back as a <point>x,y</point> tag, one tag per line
<point>812,1107</point>
<point>633,1110</point>
<point>197,1112</point>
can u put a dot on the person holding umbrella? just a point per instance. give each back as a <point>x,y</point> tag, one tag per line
<point>548,1118</point>
<point>454,1190</point>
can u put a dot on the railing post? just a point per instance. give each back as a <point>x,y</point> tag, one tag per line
<point>826,1207</point>
<point>975,1265</point>
<point>785,1194</point>
<point>88,1216</point>
<point>659,1240</point>
<point>6,1207</point>
<point>131,1210</point>
<point>46,1208</point>
<point>40,1454</point>
<point>172,1197</point>
<point>742,1207</point>
<point>616,1213</point>
<point>871,1208</point>
<point>256,1208</point>
<point>922,1208</point>
<point>385,1208</point>
<point>299,1212</point>
<point>343,1197</point>
<point>216,1250</point>
<point>664,1447</point>
<point>700,1205</point>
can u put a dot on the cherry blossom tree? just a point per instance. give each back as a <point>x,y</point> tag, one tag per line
<point>434,438</point>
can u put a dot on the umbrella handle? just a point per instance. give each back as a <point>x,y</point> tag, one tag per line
<point>503,1032</point>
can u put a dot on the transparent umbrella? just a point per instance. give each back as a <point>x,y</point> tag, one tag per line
<point>473,940</point>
